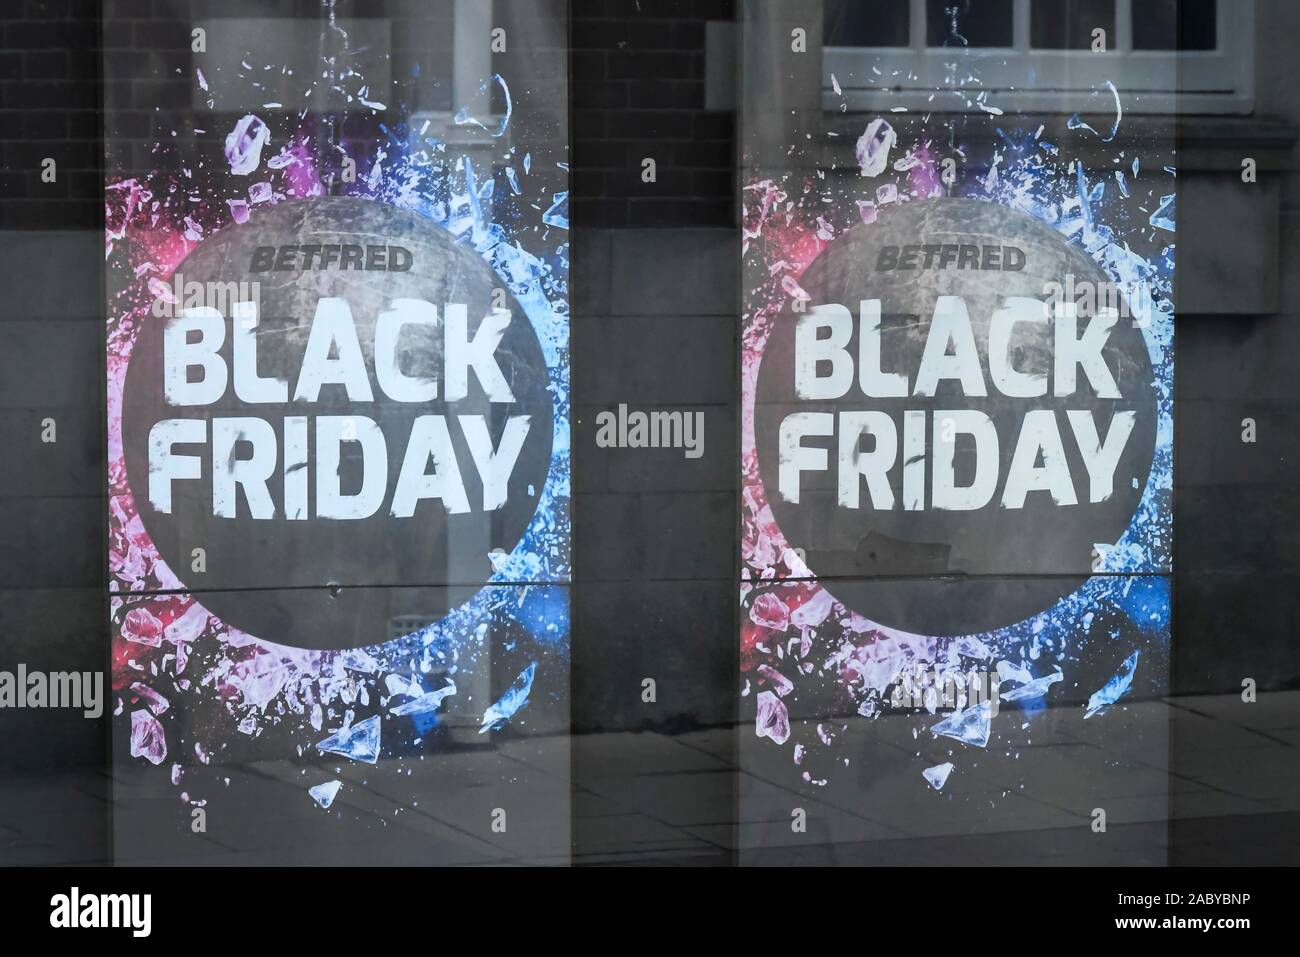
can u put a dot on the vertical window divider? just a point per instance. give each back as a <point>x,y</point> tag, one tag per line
<point>916,26</point>
<point>1124,26</point>
<point>1020,26</point>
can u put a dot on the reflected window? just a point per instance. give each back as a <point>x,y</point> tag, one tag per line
<point>1072,25</point>
<point>951,23</point>
<point>1175,25</point>
<point>1189,56</point>
<point>854,24</point>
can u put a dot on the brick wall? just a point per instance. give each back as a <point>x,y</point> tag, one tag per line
<point>49,98</point>
<point>637,89</point>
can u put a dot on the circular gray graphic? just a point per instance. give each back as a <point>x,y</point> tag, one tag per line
<point>359,485</point>
<point>951,419</point>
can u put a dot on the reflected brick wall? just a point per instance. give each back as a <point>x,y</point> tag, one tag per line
<point>654,304</point>
<point>49,101</point>
<point>638,91</point>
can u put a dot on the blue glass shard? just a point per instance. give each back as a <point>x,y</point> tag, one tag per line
<point>430,701</point>
<point>510,702</point>
<point>359,742</point>
<point>1163,218</point>
<point>969,726</point>
<point>937,776</point>
<point>324,794</point>
<point>558,214</point>
<point>1114,689</point>
<point>1032,689</point>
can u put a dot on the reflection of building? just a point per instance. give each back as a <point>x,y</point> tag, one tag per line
<point>1225,100</point>
<point>655,302</point>
<point>1189,56</point>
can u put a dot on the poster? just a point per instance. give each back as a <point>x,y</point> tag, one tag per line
<point>957,457</point>
<point>338,428</point>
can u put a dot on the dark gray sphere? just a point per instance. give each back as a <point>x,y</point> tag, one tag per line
<point>908,547</point>
<point>273,577</point>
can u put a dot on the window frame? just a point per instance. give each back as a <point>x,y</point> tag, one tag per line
<point>1219,81</point>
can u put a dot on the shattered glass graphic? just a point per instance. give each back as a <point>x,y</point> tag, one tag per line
<point>383,700</point>
<point>812,668</point>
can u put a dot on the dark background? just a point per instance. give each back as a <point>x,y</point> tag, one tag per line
<point>655,313</point>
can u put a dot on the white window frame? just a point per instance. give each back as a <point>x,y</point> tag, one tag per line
<point>1219,81</point>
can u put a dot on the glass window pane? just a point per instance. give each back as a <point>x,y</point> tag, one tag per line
<point>1068,25</point>
<point>851,23</point>
<point>973,23</point>
<point>1171,25</point>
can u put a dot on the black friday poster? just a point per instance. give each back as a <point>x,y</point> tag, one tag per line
<point>957,454</point>
<point>338,435</point>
